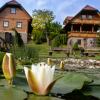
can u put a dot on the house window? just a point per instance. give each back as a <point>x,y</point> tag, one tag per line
<point>19,24</point>
<point>90,16</point>
<point>13,10</point>
<point>83,16</point>
<point>5,23</point>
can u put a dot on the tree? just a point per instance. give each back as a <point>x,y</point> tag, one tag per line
<point>40,18</point>
<point>17,39</point>
<point>60,39</point>
<point>98,38</point>
<point>52,30</point>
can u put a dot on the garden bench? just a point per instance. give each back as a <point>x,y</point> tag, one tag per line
<point>91,53</point>
<point>57,49</point>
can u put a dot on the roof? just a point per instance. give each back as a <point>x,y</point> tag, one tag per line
<point>12,2</point>
<point>88,7</point>
<point>67,19</point>
<point>15,4</point>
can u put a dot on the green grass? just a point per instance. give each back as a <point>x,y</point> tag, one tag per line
<point>44,49</point>
<point>43,52</point>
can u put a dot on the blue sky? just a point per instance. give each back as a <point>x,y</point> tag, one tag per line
<point>60,8</point>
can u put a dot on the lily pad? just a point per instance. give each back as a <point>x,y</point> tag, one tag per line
<point>3,82</point>
<point>21,83</point>
<point>93,91</point>
<point>34,97</point>
<point>9,93</point>
<point>70,82</point>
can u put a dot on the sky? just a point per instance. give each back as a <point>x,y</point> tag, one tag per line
<point>60,8</point>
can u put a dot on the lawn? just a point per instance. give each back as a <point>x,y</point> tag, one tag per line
<point>43,50</point>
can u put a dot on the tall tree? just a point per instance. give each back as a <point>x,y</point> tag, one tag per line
<point>52,30</point>
<point>40,18</point>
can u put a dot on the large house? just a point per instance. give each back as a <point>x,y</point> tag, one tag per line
<point>83,27</point>
<point>14,16</point>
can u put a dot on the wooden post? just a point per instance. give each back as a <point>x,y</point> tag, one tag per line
<point>80,28</point>
<point>92,28</point>
<point>71,27</point>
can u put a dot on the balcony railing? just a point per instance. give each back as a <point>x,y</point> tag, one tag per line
<point>85,34</point>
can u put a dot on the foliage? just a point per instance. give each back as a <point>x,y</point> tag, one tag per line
<point>59,40</point>
<point>11,93</point>
<point>56,41</point>
<point>75,46</point>
<point>34,97</point>
<point>39,36</point>
<point>40,17</point>
<point>72,85</point>
<point>63,31</point>
<point>25,55</point>
<point>52,30</point>
<point>71,81</point>
<point>44,29</point>
<point>1,59</point>
<point>17,39</point>
<point>98,39</point>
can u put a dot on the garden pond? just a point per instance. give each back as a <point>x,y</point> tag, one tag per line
<point>81,84</point>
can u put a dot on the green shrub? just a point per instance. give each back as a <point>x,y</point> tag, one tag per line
<point>1,59</point>
<point>75,46</point>
<point>17,39</point>
<point>56,41</point>
<point>60,39</point>
<point>25,55</point>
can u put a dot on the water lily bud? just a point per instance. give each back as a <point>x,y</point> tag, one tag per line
<point>9,67</point>
<point>49,61</point>
<point>62,65</point>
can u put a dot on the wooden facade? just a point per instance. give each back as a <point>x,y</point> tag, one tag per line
<point>82,28</point>
<point>13,15</point>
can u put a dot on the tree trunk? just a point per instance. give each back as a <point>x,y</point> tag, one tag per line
<point>48,40</point>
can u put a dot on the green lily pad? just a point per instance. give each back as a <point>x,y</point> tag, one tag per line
<point>70,82</point>
<point>21,83</point>
<point>93,91</point>
<point>34,97</point>
<point>3,82</point>
<point>9,93</point>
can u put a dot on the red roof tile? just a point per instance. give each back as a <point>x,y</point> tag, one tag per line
<point>69,17</point>
<point>88,7</point>
<point>13,2</point>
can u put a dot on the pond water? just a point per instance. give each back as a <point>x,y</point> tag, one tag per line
<point>68,88</point>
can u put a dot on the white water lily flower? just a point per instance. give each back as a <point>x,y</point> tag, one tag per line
<point>40,78</point>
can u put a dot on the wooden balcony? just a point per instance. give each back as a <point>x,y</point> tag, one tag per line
<point>86,34</point>
<point>86,21</point>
